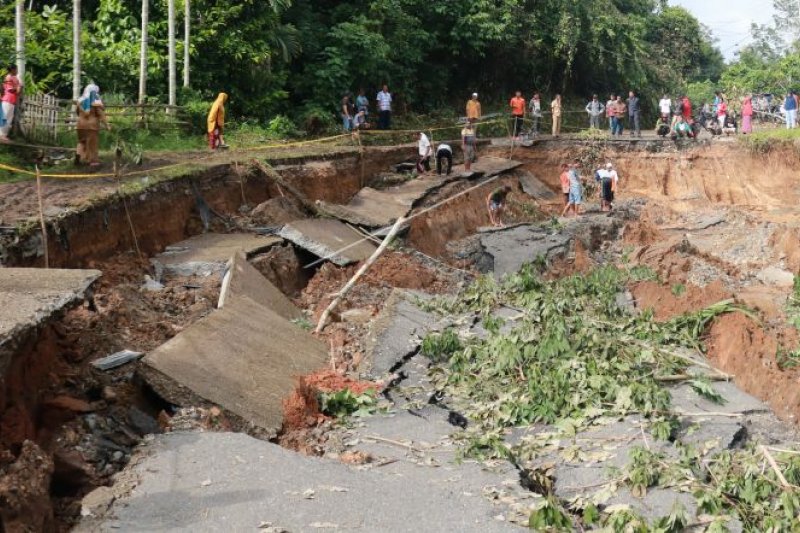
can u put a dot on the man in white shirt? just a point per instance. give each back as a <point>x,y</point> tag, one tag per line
<point>444,159</point>
<point>424,161</point>
<point>665,105</point>
<point>384,99</point>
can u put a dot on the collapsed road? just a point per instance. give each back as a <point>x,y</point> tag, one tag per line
<point>216,427</point>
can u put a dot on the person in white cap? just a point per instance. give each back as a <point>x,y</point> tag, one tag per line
<point>473,109</point>
<point>608,186</point>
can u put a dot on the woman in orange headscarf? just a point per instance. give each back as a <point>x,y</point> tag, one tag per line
<point>216,123</point>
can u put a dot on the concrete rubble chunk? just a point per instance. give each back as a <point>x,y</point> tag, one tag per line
<point>686,400</point>
<point>116,359</point>
<point>244,280</point>
<point>244,357</point>
<point>776,276</point>
<point>208,253</point>
<point>31,296</point>
<point>326,237</point>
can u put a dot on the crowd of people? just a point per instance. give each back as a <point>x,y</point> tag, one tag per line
<point>355,111</point>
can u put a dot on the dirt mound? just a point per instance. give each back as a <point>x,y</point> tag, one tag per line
<point>25,490</point>
<point>641,232</point>
<point>668,301</point>
<point>739,346</point>
<point>280,210</point>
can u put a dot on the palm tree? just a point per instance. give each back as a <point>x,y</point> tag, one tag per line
<point>171,49</point>
<point>20,29</point>
<point>76,49</point>
<point>186,28</point>
<point>143,53</point>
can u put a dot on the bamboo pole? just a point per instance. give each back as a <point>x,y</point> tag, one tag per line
<point>41,217</point>
<point>361,271</point>
<point>774,465</point>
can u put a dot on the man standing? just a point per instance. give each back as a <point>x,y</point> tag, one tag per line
<point>611,108</point>
<point>575,191</point>
<point>347,113</point>
<point>634,114</point>
<point>468,145</point>
<point>517,105</point>
<point>11,89</point>
<point>424,161</point>
<point>595,110</point>
<point>535,107</point>
<point>665,106</point>
<point>789,106</point>
<point>620,110</point>
<point>555,107</point>
<point>384,99</point>
<point>474,109</point>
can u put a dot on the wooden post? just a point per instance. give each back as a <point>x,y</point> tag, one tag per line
<point>41,217</point>
<point>361,271</point>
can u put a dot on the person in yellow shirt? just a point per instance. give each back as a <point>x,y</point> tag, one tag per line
<point>216,123</point>
<point>473,108</point>
<point>555,107</point>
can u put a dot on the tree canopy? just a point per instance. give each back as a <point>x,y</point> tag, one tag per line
<point>297,57</point>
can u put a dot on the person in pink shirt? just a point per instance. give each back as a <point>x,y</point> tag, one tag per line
<point>11,90</point>
<point>722,112</point>
<point>747,115</point>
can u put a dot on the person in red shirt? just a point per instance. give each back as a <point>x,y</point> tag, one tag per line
<point>564,178</point>
<point>686,108</point>
<point>11,90</point>
<point>518,112</point>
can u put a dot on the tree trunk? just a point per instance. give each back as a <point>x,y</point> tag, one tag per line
<point>76,49</point>
<point>20,28</point>
<point>187,12</point>
<point>143,53</point>
<point>171,50</point>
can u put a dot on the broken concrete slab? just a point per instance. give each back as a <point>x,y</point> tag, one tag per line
<point>507,249</point>
<point>397,333</point>
<point>718,435</point>
<point>208,253</point>
<point>533,186</point>
<point>232,482</point>
<point>243,280</point>
<point>326,237</point>
<point>686,400</point>
<point>29,297</point>
<point>378,208</point>
<point>244,357</point>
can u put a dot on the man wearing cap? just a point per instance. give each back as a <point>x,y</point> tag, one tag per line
<point>473,109</point>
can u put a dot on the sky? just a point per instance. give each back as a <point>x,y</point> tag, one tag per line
<point>729,20</point>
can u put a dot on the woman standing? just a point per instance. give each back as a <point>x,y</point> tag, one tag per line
<point>555,107</point>
<point>747,115</point>
<point>91,114</point>
<point>216,122</point>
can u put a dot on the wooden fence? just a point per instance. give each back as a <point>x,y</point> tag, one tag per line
<point>47,119</point>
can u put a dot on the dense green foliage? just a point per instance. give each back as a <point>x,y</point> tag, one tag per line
<point>572,359</point>
<point>297,57</point>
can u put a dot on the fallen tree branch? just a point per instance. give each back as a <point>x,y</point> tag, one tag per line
<point>361,271</point>
<point>774,465</point>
